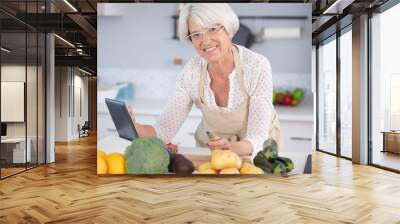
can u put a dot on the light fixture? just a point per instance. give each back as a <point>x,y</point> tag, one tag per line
<point>5,50</point>
<point>65,41</point>
<point>337,7</point>
<point>84,71</point>
<point>80,51</point>
<point>70,5</point>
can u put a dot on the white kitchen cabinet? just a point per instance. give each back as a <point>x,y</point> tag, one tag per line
<point>185,135</point>
<point>297,135</point>
<point>105,125</point>
<point>297,124</point>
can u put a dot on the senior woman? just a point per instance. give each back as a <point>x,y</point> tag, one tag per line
<point>231,85</point>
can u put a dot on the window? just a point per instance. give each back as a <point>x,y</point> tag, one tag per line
<point>22,86</point>
<point>327,96</point>
<point>385,89</point>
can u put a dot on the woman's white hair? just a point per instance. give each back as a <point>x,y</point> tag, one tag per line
<point>207,14</point>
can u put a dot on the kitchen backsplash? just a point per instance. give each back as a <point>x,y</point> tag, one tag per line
<point>159,84</point>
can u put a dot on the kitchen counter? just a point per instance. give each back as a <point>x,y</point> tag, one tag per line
<point>199,155</point>
<point>303,112</point>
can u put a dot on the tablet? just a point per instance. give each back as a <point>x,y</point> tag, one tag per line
<point>122,120</point>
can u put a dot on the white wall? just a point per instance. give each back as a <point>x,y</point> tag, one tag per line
<point>67,114</point>
<point>287,56</point>
<point>17,73</point>
<point>79,117</point>
<point>135,44</point>
<point>61,103</point>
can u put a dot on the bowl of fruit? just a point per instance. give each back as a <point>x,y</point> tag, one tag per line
<point>287,97</point>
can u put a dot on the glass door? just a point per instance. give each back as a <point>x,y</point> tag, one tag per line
<point>346,92</point>
<point>23,91</point>
<point>327,95</point>
<point>13,105</point>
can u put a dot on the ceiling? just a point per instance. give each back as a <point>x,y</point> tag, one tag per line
<point>76,22</point>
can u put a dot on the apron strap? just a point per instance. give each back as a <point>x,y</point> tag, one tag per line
<point>239,70</point>
<point>202,81</point>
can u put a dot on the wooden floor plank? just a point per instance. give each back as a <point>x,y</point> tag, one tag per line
<point>69,191</point>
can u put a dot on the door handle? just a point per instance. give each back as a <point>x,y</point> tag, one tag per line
<point>300,138</point>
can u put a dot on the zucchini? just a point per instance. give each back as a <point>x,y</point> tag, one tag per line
<point>270,150</point>
<point>278,167</point>
<point>263,163</point>
<point>288,163</point>
<point>270,143</point>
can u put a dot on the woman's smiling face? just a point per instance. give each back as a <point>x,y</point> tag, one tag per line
<point>212,44</point>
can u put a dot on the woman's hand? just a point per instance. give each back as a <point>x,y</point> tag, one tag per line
<point>172,147</point>
<point>131,113</point>
<point>143,130</point>
<point>221,143</point>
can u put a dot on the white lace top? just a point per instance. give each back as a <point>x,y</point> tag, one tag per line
<point>258,84</point>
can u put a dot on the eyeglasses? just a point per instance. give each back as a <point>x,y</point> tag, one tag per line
<point>212,30</point>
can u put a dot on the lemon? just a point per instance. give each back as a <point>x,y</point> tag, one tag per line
<point>101,154</point>
<point>101,165</point>
<point>116,163</point>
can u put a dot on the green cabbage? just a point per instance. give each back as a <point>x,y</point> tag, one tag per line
<point>147,156</point>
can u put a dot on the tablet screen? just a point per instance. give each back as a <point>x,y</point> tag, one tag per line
<point>122,120</point>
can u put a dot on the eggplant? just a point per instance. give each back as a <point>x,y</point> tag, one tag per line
<point>179,164</point>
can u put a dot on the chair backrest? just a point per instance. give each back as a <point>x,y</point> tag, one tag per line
<point>86,125</point>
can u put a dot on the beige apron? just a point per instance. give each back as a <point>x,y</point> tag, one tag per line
<point>230,125</point>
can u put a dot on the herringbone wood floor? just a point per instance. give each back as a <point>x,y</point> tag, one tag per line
<point>69,191</point>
